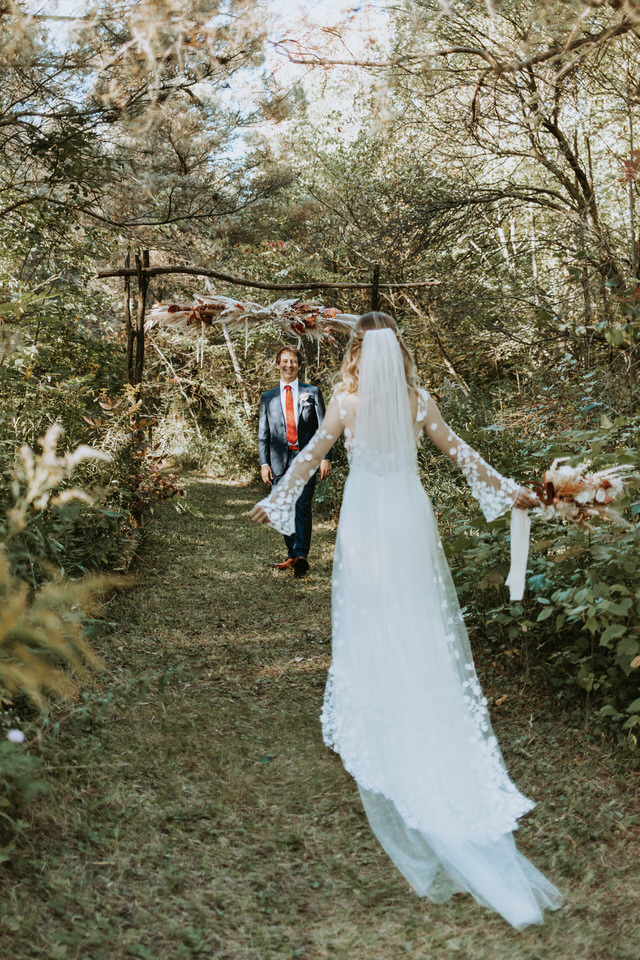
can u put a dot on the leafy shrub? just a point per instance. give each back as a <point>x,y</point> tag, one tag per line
<point>20,781</point>
<point>44,527</point>
<point>578,624</point>
<point>149,485</point>
<point>55,367</point>
<point>41,630</point>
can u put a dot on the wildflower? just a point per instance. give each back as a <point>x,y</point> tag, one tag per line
<point>15,736</point>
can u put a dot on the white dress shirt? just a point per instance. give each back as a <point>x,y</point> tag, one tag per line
<point>283,398</point>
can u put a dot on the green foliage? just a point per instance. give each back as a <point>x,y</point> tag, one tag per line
<point>578,620</point>
<point>577,626</point>
<point>44,649</point>
<point>21,780</point>
<point>61,366</point>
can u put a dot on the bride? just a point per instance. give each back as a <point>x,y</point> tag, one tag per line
<point>403,706</point>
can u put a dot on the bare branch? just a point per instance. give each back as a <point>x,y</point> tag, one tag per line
<point>496,65</point>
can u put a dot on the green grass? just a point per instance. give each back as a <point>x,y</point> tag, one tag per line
<point>196,813</point>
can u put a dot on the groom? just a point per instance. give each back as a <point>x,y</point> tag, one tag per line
<point>290,414</point>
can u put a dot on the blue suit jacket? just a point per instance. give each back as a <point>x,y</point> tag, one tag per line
<point>272,432</point>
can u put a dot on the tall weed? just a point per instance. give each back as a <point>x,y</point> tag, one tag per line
<point>43,647</point>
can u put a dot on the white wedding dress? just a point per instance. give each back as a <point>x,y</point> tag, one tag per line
<point>403,706</point>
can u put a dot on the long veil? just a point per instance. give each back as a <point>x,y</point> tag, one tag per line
<point>384,438</point>
<point>403,705</point>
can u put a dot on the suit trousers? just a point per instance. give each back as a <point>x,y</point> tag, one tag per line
<point>298,545</point>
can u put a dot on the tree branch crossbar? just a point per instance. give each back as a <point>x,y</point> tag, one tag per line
<point>260,284</point>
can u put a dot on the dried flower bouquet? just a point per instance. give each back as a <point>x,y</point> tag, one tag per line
<point>570,493</point>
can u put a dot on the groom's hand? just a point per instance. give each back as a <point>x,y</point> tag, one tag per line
<point>266,473</point>
<point>325,469</point>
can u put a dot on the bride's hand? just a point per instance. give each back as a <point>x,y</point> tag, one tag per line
<point>258,514</point>
<point>526,499</point>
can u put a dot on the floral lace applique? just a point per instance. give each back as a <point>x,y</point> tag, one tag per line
<point>423,404</point>
<point>347,428</point>
<point>494,493</point>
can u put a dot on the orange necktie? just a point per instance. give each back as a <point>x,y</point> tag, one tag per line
<point>292,430</point>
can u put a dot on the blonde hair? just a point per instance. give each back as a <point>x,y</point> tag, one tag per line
<point>348,377</point>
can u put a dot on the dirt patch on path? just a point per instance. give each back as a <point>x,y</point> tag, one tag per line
<point>196,812</point>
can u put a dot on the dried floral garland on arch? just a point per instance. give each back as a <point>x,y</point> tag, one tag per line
<point>300,318</point>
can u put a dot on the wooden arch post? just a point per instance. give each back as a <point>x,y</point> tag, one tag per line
<point>375,288</point>
<point>135,332</point>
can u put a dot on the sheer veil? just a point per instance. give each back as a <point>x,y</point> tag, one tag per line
<point>403,706</point>
<point>384,438</point>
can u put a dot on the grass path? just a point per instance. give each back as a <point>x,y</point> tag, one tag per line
<point>196,813</point>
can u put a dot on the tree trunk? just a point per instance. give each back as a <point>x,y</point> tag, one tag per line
<point>534,258</point>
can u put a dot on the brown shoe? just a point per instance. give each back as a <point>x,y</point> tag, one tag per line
<point>285,565</point>
<point>300,566</point>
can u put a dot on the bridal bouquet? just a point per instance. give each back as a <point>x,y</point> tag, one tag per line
<point>570,493</point>
<point>567,493</point>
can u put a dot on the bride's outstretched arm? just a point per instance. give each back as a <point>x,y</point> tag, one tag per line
<point>494,493</point>
<point>278,509</point>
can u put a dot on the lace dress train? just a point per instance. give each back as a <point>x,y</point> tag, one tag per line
<point>403,706</point>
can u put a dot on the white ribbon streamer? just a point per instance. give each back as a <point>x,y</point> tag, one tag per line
<point>520,529</point>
